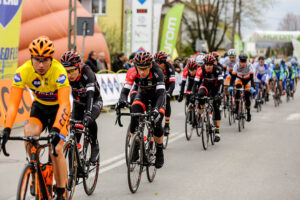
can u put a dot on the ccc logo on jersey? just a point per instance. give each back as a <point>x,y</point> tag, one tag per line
<point>61,79</point>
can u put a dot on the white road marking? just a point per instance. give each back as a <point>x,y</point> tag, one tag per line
<point>294,116</point>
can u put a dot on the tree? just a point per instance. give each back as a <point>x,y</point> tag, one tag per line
<point>290,22</point>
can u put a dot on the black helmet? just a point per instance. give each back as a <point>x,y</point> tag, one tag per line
<point>243,57</point>
<point>70,59</point>
<point>261,58</point>
<point>143,58</point>
<point>161,57</point>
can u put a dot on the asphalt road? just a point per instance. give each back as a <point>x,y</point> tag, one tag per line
<point>262,162</point>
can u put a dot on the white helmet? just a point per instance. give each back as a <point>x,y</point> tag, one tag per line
<point>293,61</point>
<point>289,64</point>
<point>231,52</point>
<point>277,62</point>
<point>200,58</point>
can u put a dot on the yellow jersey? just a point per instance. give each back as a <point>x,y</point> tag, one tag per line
<point>44,88</point>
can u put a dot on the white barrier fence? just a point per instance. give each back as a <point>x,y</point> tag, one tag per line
<point>112,84</point>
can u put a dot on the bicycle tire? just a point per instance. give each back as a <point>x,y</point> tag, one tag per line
<point>244,114</point>
<point>127,144</point>
<point>25,180</point>
<point>198,124</point>
<point>150,151</point>
<point>71,159</point>
<point>211,132</point>
<point>89,189</point>
<point>205,130</point>
<point>188,123</point>
<point>230,116</point>
<point>165,142</point>
<point>240,116</point>
<point>134,185</point>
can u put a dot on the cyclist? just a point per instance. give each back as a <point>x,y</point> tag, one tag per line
<point>209,80</point>
<point>47,79</point>
<point>277,76</point>
<point>189,73</point>
<point>242,74</point>
<point>291,75</point>
<point>285,74</point>
<point>296,67</point>
<point>169,74</point>
<point>87,102</point>
<point>228,65</point>
<point>262,75</point>
<point>149,79</point>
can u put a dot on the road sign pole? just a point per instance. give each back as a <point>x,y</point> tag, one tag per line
<point>83,40</point>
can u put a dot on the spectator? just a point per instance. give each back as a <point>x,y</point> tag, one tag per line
<point>101,62</point>
<point>130,64</point>
<point>178,65</point>
<point>119,62</point>
<point>92,62</point>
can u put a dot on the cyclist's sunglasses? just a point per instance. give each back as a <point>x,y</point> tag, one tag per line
<point>143,68</point>
<point>231,56</point>
<point>71,71</point>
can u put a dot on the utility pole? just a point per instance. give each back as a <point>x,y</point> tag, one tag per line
<point>239,22</point>
<point>72,33</point>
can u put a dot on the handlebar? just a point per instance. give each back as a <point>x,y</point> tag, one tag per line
<point>119,114</point>
<point>30,139</point>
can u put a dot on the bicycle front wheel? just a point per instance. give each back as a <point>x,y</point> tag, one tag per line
<point>189,120</point>
<point>150,151</point>
<point>127,145</point>
<point>71,159</point>
<point>28,187</point>
<point>91,170</point>
<point>205,131</point>
<point>135,166</point>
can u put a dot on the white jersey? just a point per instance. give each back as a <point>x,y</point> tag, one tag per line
<point>243,72</point>
<point>229,65</point>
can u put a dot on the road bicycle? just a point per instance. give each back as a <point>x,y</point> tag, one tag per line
<point>78,155</point>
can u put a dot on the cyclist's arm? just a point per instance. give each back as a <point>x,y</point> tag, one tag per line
<point>90,89</point>
<point>220,81</point>
<point>13,105</point>
<point>129,81</point>
<point>197,80</point>
<point>63,113</point>
<point>160,88</point>
<point>184,77</point>
<point>171,79</point>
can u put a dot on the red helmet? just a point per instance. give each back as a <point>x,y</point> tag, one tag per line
<point>161,57</point>
<point>192,65</point>
<point>209,59</point>
<point>215,55</point>
<point>70,58</point>
<point>143,58</point>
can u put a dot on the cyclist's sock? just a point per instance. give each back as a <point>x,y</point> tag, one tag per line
<point>217,129</point>
<point>60,191</point>
<point>167,122</point>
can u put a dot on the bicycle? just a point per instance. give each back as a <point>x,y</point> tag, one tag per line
<point>260,99</point>
<point>241,110</point>
<point>231,108</point>
<point>78,159</point>
<point>289,91</point>
<point>208,126</point>
<point>192,120</point>
<point>146,148</point>
<point>276,95</point>
<point>36,181</point>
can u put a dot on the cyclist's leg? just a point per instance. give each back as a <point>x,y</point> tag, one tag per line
<point>238,85</point>
<point>217,119</point>
<point>226,85</point>
<point>248,100</point>
<point>203,91</point>
<point>167,115</point>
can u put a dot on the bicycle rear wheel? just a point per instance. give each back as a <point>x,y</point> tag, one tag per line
<point>71,159</point>
<point>91,170</point>
<point>205,131</point>
<point>28,187</point>
<point>150,151</point>
<point>240,116</point>
<point>189,120</point>
<point>135,167</point>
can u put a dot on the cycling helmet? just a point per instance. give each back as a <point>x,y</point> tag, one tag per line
<point>261,58</point>
<point>243,57</point>
<point>277,62</point>
<point>289,64</point>
<point>293,61</point>
<point>199,58</point>
<point>282,62</point>
<point>161,57</point>
<point>215,55</point>
<point>209,59</point>
<point>143,58</point>
<point>70,59</point>
<point>42,46</point>
<point>192,65</point>
<point>231,52</point>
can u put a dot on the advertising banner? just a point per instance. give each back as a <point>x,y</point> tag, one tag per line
<point>157,7</point>
<point>10,22</point>
<point>25,104</point>
<point>141,25</point>
<point>171,27</point>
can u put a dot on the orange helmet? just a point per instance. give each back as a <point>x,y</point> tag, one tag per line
<point>42,46</point>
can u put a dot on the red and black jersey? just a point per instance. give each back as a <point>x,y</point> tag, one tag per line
<point>86,88</point>
<point>152,85</point>
<point>187,76</point>
<point>214,78</point>
<point>169,76</point>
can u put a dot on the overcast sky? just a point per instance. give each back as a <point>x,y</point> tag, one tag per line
<point>274,15</point>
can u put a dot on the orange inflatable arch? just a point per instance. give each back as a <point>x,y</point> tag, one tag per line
<point>51,18</point>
